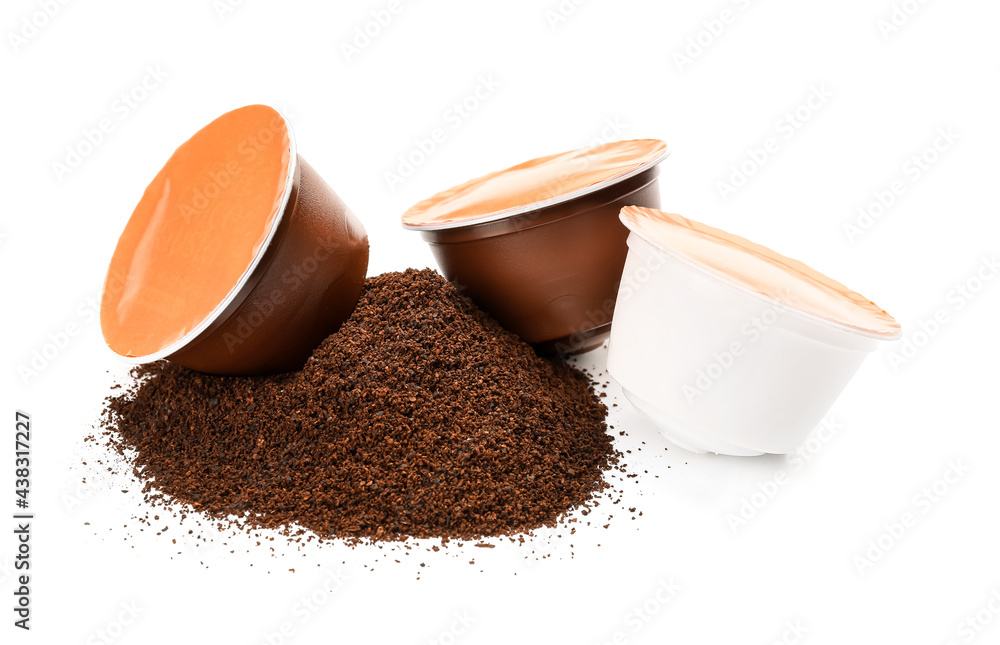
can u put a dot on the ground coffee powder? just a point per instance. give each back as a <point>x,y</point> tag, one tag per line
<point>420,417</point>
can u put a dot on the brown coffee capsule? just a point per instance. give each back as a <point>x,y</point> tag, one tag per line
<point>539,246</point>
<point>238,259</point>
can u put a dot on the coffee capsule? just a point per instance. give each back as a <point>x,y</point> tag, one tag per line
<point>539,245</point>
<point>238,259</point>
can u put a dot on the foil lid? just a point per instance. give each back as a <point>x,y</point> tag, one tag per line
<point>535,184</point>
<point>760,270</point>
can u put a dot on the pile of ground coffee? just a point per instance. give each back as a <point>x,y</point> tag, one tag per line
<point>420,417</point>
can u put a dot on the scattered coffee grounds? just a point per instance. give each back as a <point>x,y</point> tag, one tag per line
<point>420,417</point>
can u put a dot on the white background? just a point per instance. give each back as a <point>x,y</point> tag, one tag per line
<point>795,562</point>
